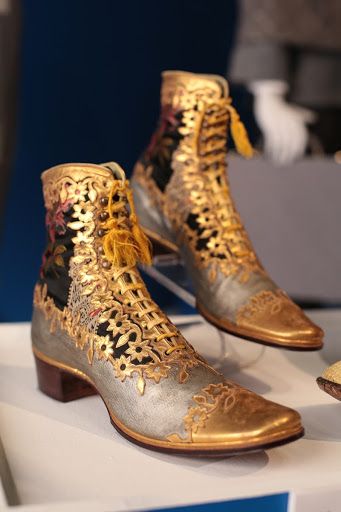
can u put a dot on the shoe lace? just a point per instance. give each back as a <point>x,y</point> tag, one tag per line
<point>212,151</point>
<point>125,245</point>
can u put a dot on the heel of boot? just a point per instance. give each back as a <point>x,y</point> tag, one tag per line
<point>60,384</point>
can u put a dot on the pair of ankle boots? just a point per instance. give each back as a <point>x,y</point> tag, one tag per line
<point>95,328</point>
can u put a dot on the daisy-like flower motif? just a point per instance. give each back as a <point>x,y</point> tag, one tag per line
<point>215,245</point>
<point>76,191</point>
<point>104,347</point>
<point>157,371</point>
<point>119,325</point>
<point>139,350</point>
<point>83,211</point>
<point>85,253</point>
<point>195,418</point>
<point>82,237</point>
<point>121,366</point>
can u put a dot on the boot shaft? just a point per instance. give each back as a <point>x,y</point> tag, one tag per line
<point>196,114</point>
<point>184,169</point>
<point>70,222</point>
<point>90,286</point>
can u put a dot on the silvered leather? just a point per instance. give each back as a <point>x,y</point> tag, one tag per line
<point>149,214</point>
<point>158,413</point>
<point>161,412</point>
<point>225,295</point>
<point>158,392</point>
<point>232,289</point>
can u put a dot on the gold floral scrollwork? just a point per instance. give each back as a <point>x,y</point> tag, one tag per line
<point>221,396</point>
<point>198,188</point>
<point>267,304</point>
<point>109,312</point>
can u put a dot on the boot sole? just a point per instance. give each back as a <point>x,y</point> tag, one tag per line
<point>332,388</point>
<point>63,383</point>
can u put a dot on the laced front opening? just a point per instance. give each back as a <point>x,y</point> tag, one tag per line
<point>220,217</point>
<point>125,245</point>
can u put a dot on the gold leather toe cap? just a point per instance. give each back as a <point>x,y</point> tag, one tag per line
<point>274,318</point>
<point>227,415</point>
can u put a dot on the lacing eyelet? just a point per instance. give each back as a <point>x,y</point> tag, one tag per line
<point>103,216</point>
<point>106,264</point>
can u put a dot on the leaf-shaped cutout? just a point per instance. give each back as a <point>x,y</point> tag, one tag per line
<point>123,340</point>
<point>276,308</point>
<point>141,384</point>
<point>206,233</point>
<point>63,194</point>
<point>105,316</point>
<point>175,438</point>
<point>229,403</point>
<point>78,259</point>
<point>59,261</point>
<point>92,194</point>
<point>183,376</point>
<point>60,249</point>
<point>90,353</point>
<point>76,225</point>
<point>201,400</point>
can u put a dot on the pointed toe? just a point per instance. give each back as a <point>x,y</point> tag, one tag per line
<point>274,318</point>
<point>227,415</point>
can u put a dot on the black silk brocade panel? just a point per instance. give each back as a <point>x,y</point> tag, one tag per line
<point>164,142</point>
<point>54,275</point>
<point>159,153</point>
<point>119,351</point>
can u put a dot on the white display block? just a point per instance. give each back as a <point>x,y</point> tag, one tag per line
<point>69,457</point>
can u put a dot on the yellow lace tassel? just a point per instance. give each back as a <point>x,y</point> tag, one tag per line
<point>239,134</point>
<point>124,246</point>
<point>119,246</point>
<point>140,237</point>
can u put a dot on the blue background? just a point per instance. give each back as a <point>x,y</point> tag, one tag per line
<point>89,91</point>
<point>273,503</point>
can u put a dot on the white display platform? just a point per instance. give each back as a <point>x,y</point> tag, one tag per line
<point>69,457</point>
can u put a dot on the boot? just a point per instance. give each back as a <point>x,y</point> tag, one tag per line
<point>184,203</point>
<point>330,381</point>
<point>95,329</point>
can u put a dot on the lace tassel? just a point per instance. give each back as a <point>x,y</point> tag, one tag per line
<point>123,246</point>
<point>119,247</point>
<point>239,134</point>
<point>143,242</point>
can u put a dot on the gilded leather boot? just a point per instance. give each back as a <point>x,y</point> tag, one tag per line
<point>330,381</point>
<point>95,329</point>
<point>184,202</point>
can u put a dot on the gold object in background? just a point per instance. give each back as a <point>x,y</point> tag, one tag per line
<point>330,381</point>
